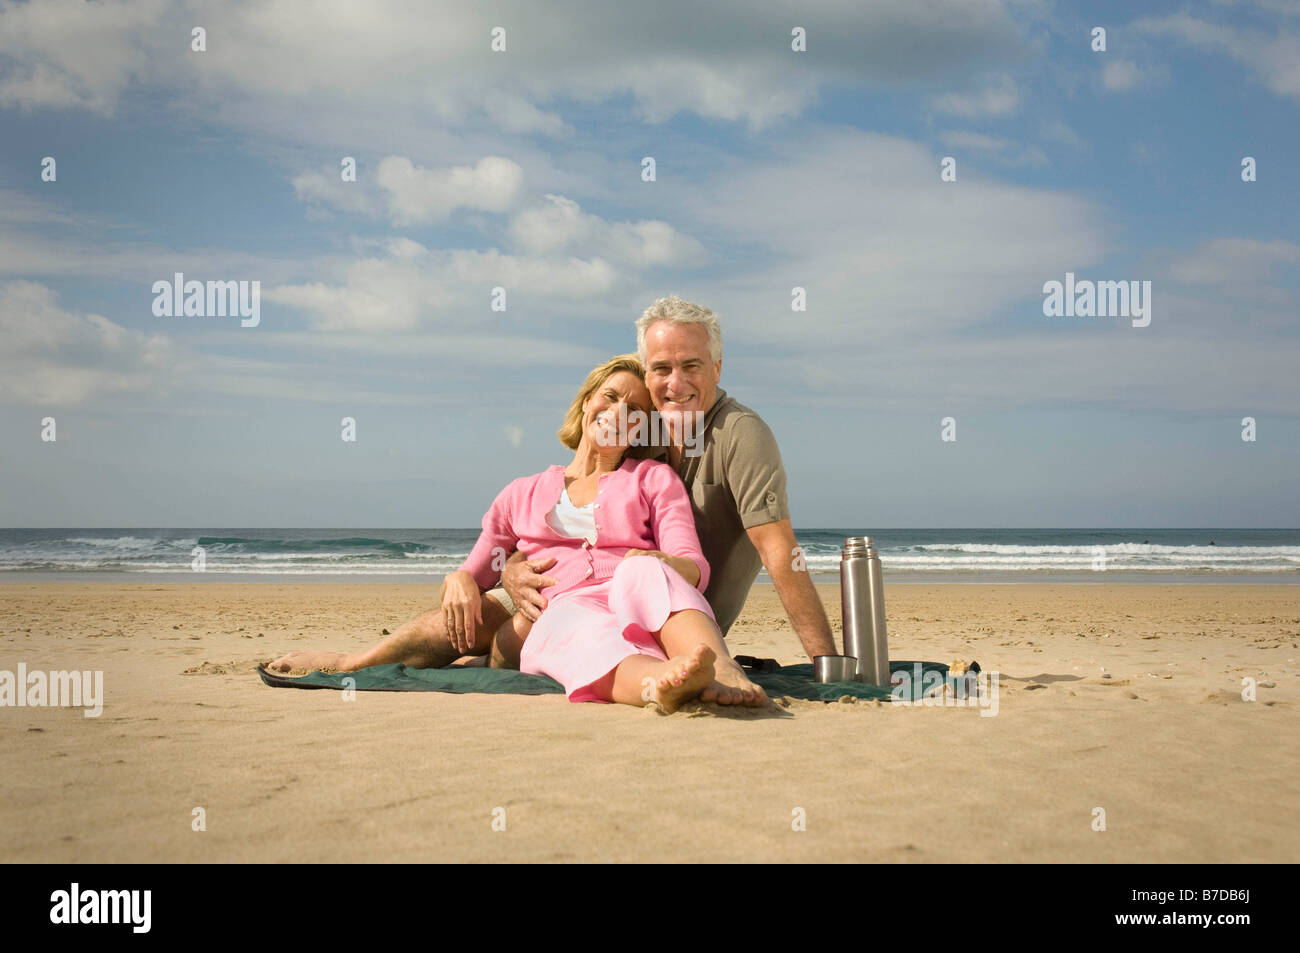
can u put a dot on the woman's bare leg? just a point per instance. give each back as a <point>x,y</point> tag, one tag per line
<point>730,686</point>
<point>641,679</point>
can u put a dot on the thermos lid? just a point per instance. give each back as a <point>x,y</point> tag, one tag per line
<point>857,546</point>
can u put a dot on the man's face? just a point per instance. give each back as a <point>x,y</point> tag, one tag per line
<point>680,373</point>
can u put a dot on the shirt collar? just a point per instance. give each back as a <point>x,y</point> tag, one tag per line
<point>717,406</point>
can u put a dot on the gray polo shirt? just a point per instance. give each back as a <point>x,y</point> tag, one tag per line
<point>735,483</point>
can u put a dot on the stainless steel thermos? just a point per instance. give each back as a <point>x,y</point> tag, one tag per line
<point>862,601</point>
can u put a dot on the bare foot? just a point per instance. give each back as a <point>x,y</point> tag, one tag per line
<point>684,677</point>
<point>310,662</point>
<point>731,686</point>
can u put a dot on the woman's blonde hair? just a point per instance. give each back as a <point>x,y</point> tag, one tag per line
<point>571,433</point>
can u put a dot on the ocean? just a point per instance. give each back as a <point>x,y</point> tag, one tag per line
<point>424,555</point>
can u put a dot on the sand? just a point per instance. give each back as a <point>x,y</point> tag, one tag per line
<point>1183,768</point>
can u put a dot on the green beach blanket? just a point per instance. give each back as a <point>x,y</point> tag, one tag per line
<point>793,681</point>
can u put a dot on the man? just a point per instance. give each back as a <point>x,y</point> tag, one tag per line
<point>737,483</point>
<point>732,470</point>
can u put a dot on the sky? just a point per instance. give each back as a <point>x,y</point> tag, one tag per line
<point>524,168</point>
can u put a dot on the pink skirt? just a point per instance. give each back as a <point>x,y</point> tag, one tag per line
<point>584,633</point>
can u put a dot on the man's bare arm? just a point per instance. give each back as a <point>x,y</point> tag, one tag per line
<point>775,543</point>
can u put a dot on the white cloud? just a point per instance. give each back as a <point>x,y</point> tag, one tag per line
<point>514,114</point>
<point>327,188</point>
<point>1003,151</point>
<point>65,53</point>
<point>1061,133</point>
<point>58,357</point>
<point>416,61</point>
<point>893,335</point>
<point>1094,363</point>
<point>1287,7</point>
<point>1273,55</point>
<point>963,139</point>
<point>412,287</point>
<point>741,92</point>
<point>24,254</point>
<point>884,249</point>
<point>557,224</point>
<point>411,195</point>
<point>551,225</point>
<point>420,196</point>
<point>1120,75</point>
<point>1232,262</point>
<point>21,208</point>
<point>999,97</point>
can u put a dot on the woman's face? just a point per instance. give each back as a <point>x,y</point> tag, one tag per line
<point>600,413</point>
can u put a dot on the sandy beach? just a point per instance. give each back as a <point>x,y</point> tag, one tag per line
<point>1182,766</point>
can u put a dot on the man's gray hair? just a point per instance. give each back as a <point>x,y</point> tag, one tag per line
<point>677,311</point>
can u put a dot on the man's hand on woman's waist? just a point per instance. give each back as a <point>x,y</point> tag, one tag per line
<point>521,578</point>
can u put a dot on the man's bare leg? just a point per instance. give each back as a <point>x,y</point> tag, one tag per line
<point>509,642</point>
<point>420,643</point>
<point>731,686</point>
<point>687,628</point>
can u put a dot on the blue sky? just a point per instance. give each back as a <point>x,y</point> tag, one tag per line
<point>775,169</point>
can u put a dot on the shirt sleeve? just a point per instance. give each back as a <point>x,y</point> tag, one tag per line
<point>754,473</point>
<point>497,541</point>
<point>671,518</point>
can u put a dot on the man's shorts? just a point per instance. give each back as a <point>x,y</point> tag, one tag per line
<point>503,597</point>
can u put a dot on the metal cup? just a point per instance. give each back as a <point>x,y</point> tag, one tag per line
<point>835,668</point>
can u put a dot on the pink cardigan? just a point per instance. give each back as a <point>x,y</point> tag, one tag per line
<point>641,505</point>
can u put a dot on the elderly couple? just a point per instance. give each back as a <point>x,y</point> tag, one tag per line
<point>647,564</point>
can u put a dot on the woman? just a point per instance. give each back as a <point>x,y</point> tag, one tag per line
<point>627,621</point>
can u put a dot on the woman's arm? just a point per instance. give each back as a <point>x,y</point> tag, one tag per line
<point>497,540</point>
<point>687,567</point>
<point>462,606</point>
<point>673,524</point>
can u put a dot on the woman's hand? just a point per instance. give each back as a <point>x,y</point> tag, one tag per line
<point>685,567</point>
<point>462,609</point>
<point>644,552</point>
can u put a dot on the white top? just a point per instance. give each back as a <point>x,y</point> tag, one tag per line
<point>573,521</point>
